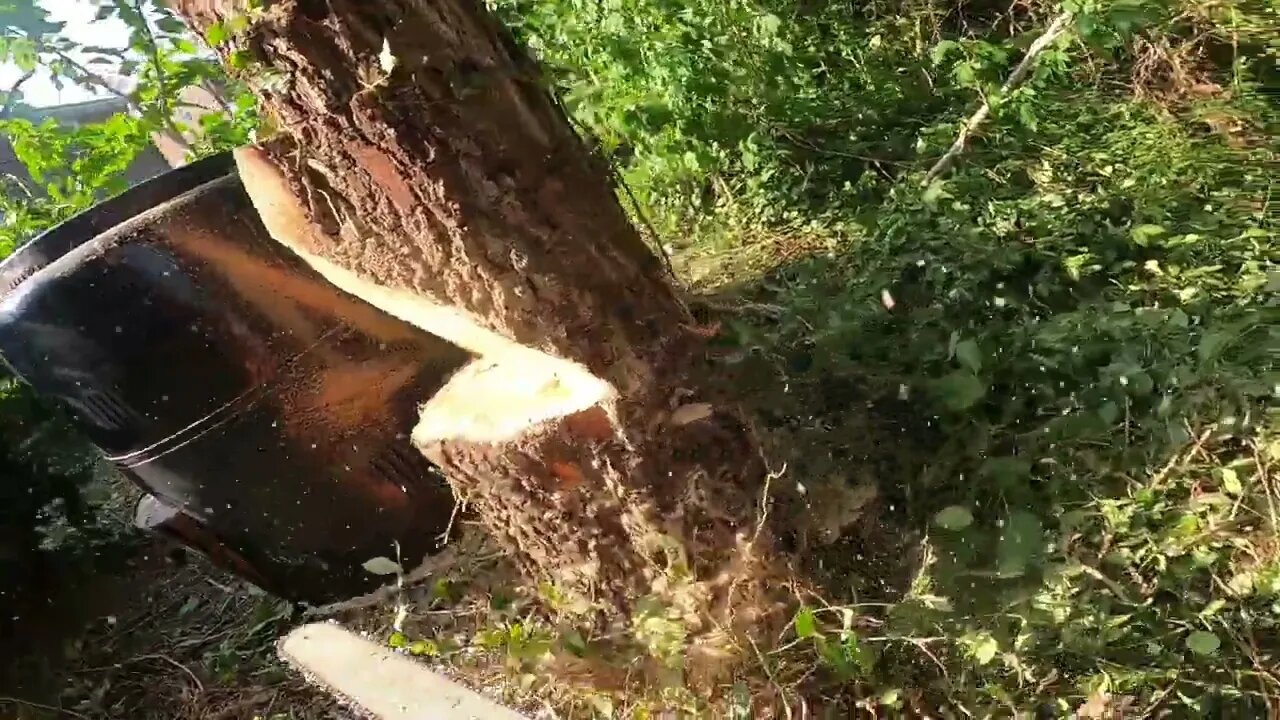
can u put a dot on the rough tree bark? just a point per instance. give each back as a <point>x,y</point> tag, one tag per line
<point>424,167</point>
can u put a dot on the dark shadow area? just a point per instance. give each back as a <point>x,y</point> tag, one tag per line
<point>146,631</point>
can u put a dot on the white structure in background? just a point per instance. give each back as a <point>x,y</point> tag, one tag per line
<point>192,104</point>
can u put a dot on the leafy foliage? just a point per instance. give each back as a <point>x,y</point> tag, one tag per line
<point>1082,314</point>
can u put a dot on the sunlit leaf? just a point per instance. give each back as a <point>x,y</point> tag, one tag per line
<point>983,648</point>
<point>806,623</point>
<point>216,34</point>
<point>1144,234</point>
<point>1230,482</point>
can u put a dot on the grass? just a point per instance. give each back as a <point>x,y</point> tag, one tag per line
<point>1026,412</point>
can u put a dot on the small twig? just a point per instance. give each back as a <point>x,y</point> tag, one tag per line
<point>162,94</point>
<point>443,538</point>
<point>1156,701</point>
<point>769,477</point>
<point>644,218</point>
<point>218,96</point>
<point>1180,458</point>
<point>737,307</point>
<point>1055,29</point>
<point>924,648</point>
<point>1264,475</point>
<point>220,586</point>
<point>1111,585</point>
<point>180,666</point>
<point>768,671</point>
<point>27,703</point>
<point>89,77</point>
<point>155,656</point>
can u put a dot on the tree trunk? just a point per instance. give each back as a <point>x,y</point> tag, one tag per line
<point>424,167</point>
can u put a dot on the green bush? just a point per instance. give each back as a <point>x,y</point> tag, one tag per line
<point>1082,314</point>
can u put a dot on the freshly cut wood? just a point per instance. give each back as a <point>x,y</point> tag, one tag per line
<point>424,168</point>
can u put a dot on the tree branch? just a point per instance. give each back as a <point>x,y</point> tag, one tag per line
<point>11,97</point>
<point>163,95</point>
<point>1051,33</point>
<point>91,78</point>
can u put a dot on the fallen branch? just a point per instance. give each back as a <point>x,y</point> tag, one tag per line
<point>39,706</point>
<point>1055,29</point>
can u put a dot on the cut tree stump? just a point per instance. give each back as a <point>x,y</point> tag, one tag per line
<point>423,166</point>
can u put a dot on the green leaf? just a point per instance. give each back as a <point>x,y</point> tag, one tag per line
<point>574,642</point>
<point>806,623</point>
<point>1027,116</point>
<point>240,59</point>
<point>1009,473</point>
<point>939,52</point>
<point>1144,234</point>
<point>1212,344</point>
<point>847,658</point>
<point>1201,642</point>
<point>936,191</point>
<point>953,517</point>
<point>965,74</point>
<point>1075,264</point>
<point>969,355</point>
<point>238,24</point>
<point>397,640</point>
<point>982,648</point>
<point>442,590</point>
<point>216,34</point>
<point>1141,384</point>
<point>1230,482</point>
<point>1021,539</point>
<point>960,390</point>
<point>22,52</point>
<point>1109,412</point>
<point>422,648</point>
<point>769,24</point>
<point>171,25</point>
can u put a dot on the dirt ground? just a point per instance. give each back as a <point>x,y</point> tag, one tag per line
<point>150,634</point>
